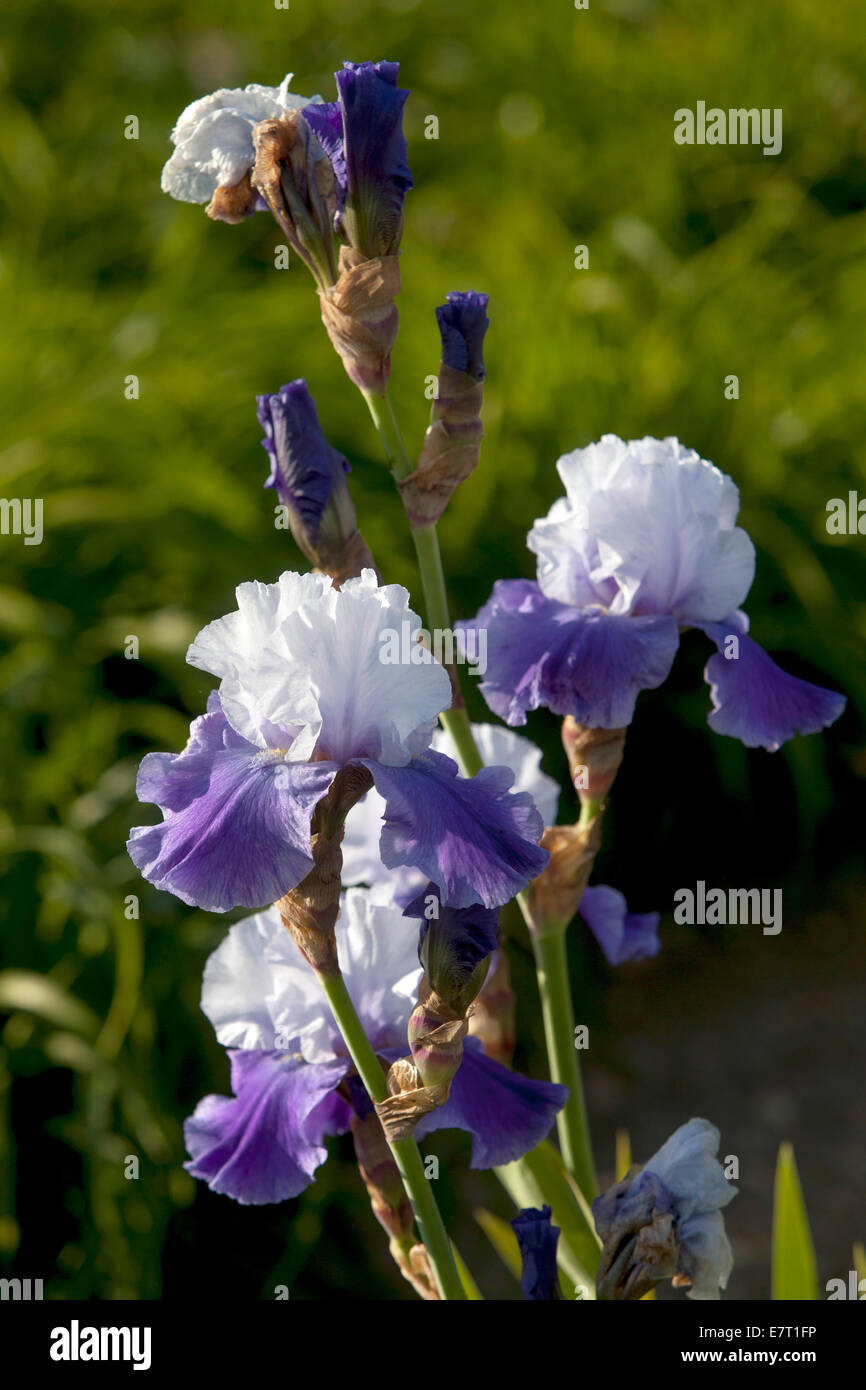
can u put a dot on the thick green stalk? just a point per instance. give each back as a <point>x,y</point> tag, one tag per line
<point>572,1122</point>
<point>550,954</point>
<point>406,1154</point>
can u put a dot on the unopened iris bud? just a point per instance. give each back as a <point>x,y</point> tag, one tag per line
<point>452,445</point>
<point>362,134</point>
<point>296,182</point>
<point>537,1238</point>
<point>309,478</point>
<point>455,946</point>
<point>664,1221</point>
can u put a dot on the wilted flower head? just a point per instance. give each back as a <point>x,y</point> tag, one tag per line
<point>214,146</point>
<point>538,1239</point>
<point>664,1221</point>
<point>643,544</point>
<point>303,696</point>
<point>292,1077</point>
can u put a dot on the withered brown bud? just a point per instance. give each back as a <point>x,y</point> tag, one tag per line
<point>298,187</point>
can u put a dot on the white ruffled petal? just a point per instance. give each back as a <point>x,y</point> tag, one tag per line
<point>646,528</point>
<point>308,668</point>
<point>259,992</point>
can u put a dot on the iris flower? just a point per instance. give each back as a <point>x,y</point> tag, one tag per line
<point>643,545</point>
<point>303,693</point>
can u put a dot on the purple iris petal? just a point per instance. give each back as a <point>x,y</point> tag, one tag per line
<point>236,819</point>
<point>369,153</point>
<point>325,119</point>
<point>582,662</point>
<point>463,323</point>
<point>265,1144</point>
<point>470,835</point>
<point>754,700</point>
<point>305,470</point>
<point>537,1238</point>
<point>621,934</point>
<point>506,1114</point>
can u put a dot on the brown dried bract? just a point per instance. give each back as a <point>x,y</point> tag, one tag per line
<point>555,895</point>
<point>452,447</point>
<point>361,317</point>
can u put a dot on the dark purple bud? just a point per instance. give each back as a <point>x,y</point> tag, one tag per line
<point>363,136</point>
<point>537,1238</point>
<point>308,475</point>
<point>454,946</point>
<point>463,323</point>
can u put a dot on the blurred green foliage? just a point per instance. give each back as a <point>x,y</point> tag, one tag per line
<point>555,130</point>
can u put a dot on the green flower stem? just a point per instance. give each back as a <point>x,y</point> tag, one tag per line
<point>550,954</point>
<point>572,1123</point>
<point>426,540</point>
<point>405,1151</point>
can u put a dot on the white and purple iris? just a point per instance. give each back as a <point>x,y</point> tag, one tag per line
<point>643,545</point>
<point>292,1078</point>
<point>302,693</point>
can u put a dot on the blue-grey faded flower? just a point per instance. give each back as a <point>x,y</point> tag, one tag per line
<point>362,133</point>
<point>664,1221</point>
<point>537,1238</point>
<point>309,478</point>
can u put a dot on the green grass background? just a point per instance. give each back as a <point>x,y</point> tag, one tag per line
<point>555,129</point>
